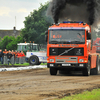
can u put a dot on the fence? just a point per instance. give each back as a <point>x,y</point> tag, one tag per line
<point>14,60</point>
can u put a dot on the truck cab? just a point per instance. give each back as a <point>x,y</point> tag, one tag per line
<point>28,47</point>
<point>69,47</point>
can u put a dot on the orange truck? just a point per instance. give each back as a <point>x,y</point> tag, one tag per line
<point>69,48</point>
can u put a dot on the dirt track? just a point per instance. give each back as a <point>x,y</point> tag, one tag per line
<point>39,85</point>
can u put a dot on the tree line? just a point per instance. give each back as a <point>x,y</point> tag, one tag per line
<point>10,42</point>
<point>36,24</point>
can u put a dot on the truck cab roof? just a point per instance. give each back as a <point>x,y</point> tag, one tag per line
<point>70,25</point>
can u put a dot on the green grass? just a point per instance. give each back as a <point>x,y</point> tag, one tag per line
<point>43,64</point>
<point>26,64</point>
<point>93,95</point>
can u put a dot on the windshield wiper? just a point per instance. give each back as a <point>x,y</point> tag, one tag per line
<point>69,42</point>
<point>66,42</point>
<point>80,35</point>
<point>54,42</point>
<point>78,42</point>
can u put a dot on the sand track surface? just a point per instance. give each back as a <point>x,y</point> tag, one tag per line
<point>38,84</point>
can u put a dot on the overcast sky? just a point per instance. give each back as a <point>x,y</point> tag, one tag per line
<point>19,8</point>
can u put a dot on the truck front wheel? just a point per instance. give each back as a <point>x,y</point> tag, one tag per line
<point>53,71</point>
<point>33,60</point>
<point>86,71</point>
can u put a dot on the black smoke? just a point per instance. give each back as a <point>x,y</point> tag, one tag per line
<point>76,10</point>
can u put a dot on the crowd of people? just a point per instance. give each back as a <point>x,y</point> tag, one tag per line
<point>6,56</point>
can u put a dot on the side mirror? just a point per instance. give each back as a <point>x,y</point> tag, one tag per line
<point>88,36</point>
<point>46,36</point>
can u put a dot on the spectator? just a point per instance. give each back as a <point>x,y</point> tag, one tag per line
<point>22,59</point>
<point>22,54</point>
<point>18,57</point>
<point>9,56</point>
<point>5,56</point>
<point>1,56</point>
<point>13,57</point>
<point>19,54</point>
<point>13,54</point>
<point>5,52</point>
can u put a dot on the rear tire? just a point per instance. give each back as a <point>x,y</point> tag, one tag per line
<point>95,71</point>
<point>86,71</point>
<point>53,71</point>
<point>33,60</point>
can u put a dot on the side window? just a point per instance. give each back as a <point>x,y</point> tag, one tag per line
<point>88,35</point>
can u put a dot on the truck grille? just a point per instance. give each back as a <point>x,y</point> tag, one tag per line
<point>66,51</point>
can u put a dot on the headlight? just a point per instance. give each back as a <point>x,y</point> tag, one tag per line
<point>51,60</point>
<point>81,60</point>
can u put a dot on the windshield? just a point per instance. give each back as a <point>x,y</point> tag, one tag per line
<point>32,47</point>
<point>22,48</point>
<point>67,36</point>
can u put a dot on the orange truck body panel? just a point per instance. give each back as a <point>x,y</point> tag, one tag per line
<point>87,46</point>
<point>97,44</point>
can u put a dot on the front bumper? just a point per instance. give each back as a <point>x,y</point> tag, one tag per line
<point>61,66</point>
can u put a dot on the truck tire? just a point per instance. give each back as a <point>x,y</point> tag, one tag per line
<point>86,71</point>
<point>53,71</point>
<point>33,60</point>
<point>95,71</point>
